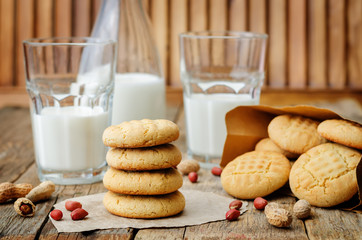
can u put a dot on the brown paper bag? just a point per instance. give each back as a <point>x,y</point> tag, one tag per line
<point>246,125</point>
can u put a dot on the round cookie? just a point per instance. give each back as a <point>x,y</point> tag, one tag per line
<point>144,206</point>
<point>255,174</point>
<point>325,175</point>
<point>154,182</point>
<point>295,134</point>
<point>140,133</point>
<point>342,131</point>
<point>150,158</point>
<point>266,144</point>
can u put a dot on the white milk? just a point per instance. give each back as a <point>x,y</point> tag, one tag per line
<point>69,138</point>
<point>205,120</point>
<point>138,96</point>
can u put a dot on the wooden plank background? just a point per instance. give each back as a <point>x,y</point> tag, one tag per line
<point>313,44</point>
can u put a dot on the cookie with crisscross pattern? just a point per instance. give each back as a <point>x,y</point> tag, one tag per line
<point>295,134</point>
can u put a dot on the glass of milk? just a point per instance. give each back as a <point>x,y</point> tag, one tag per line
<point>219,71</point>
<point>70,83</point>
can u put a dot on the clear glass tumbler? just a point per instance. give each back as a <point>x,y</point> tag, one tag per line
<point>219,71</point>
<point>70,83</point>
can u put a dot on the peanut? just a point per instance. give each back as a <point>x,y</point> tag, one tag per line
<point>24,207</point>
<point>277,216</point>
<point>72,205</point>
<point>236,204</point>
<point>41,192</point>
<point>193,177</point>
<point>260,203</point>
<point>188,165</point>
<point>216,171</point>
<point>78,214</point>
<point>11,191</point>
<point>56,214</point>
<point>302,209</point>
<point>232,214</point>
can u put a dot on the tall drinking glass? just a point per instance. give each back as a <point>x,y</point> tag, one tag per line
<point>70,84</point>
<point>219,71</point>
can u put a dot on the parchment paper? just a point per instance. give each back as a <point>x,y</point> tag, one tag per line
<point>201,207</point>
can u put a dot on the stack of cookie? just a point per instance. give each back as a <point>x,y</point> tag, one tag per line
<point>324,172</point>
<point>142,179</point>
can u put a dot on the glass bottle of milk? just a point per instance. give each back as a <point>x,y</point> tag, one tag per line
<point>139,90</point>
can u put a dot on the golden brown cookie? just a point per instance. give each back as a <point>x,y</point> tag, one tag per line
<point>149,158</point>
<point>266,144</point>
<point>255,174</point>
<point>140,133</point>
<point>153,182</point>
<point>144,206</point>
<point>295,134</point>
<point>342,131</point>
<point>325,175</point>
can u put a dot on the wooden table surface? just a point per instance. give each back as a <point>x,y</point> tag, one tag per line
<point>17,165</point>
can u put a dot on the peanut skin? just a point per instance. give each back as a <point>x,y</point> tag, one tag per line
<point>11,191</point>
<point>78,214</point>
<point>72,205</point>
<point>24,207</point>
<point>41,192</point>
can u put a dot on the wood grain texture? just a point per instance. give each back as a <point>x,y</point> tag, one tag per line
<point>277,63</point>
<point>178,24</point>
<point>24,30</point>
<point>217,15</point>
<point>16,146</point>
<point>317,58</point>
<point>7,37</point>
<point>218,22</point>
<point>297,52</point>
<point>96,7</point>
<point>159,12</point>
<point>238,15</point>
<point>354,54</point>
<point>337,74</point>
<point>63,18</point>
<point>198,15</point>
<point>44,18</point>
<point>257,16</point>
<point>81,18</point>
<point>323,44</point>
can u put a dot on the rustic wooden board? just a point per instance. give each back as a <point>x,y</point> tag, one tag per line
<point>43,18</point>
<point>218,18</point>
<point>317,56</point>
<point>24,30</point>
<point>323,224</point>
<point>198,15</point>
<point>16,146</point>
<point>178,24</point>
<point>277,63</point>
<point>257,17</point>
<point>7,17</point>
<point>238,15</point>
<point>160,22</point>
<point>63,18</point>
<point>82,18</point>
<point>336,44</point>
<point>297,52</point>
<point>354,55</point>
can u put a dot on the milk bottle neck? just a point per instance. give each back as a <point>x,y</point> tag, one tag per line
<point>127,22</point>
